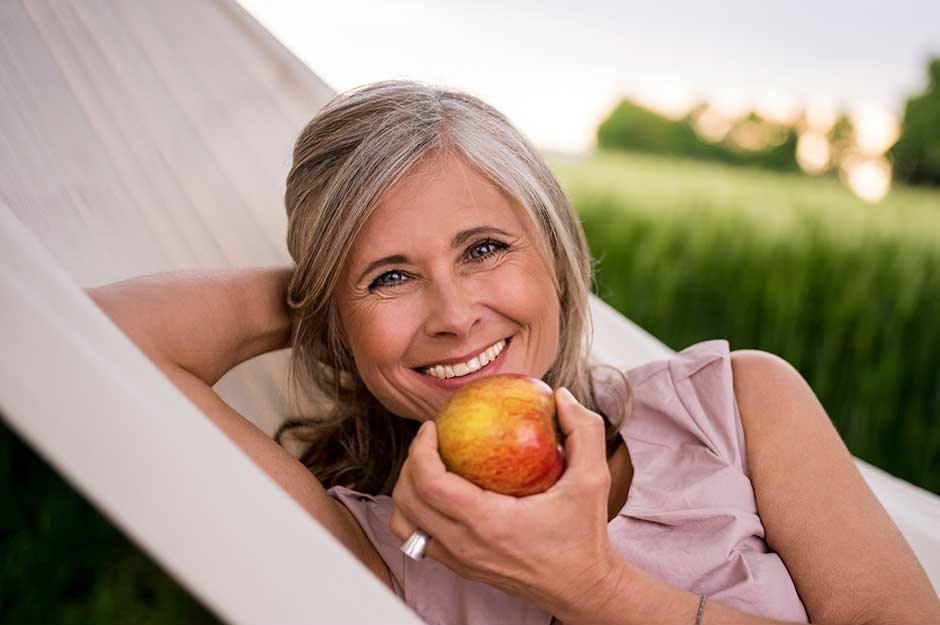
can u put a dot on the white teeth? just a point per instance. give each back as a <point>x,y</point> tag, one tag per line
<point>474,364</point>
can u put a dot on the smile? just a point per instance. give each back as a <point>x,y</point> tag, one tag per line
<point>461,369</point>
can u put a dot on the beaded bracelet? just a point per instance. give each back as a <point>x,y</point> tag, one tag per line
<point>701,609</point>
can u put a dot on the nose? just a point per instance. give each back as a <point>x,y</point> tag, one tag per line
<point>452,309</point>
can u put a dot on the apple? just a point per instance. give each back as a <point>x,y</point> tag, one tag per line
<point>500,432</point>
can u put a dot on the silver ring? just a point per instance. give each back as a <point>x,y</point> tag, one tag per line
<point>415,545</point>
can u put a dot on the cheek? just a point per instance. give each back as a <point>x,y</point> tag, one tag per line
<point>525,293</point>
<point>380,333</point>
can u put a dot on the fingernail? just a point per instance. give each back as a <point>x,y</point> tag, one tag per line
<point>566,394</point>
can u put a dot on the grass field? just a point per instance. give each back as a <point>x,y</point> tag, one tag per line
<point>846,291</point>
<point>773,203</point>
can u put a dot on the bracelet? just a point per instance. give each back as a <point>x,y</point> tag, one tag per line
<point>701,609</point>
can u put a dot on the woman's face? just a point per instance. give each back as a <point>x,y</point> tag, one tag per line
<point>446,268</point>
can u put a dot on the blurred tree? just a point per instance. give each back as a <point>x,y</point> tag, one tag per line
<point>633,127</point>
<point>759,142</point>
<point>916,154</point>
<point>751,140</point>
<point>842,141</point>
<point>842,134</point>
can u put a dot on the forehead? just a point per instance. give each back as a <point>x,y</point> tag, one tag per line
<point>440,197</point>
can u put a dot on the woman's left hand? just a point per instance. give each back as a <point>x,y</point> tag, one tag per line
<point>551,548</point>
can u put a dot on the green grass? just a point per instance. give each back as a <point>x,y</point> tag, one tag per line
<point>773,203</point>
<point>846,291</point>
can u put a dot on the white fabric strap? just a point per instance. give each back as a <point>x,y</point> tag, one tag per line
<point>107,419</point>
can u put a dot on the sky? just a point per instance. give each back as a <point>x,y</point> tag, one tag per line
<point>557,68</point>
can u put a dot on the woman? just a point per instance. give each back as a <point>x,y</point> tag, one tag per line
<point>433,246</point>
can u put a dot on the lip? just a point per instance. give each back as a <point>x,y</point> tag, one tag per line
<point>455,383</point>
<point>464,358</point>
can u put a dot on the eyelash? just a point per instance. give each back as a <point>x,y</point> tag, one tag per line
<point>498,246</point>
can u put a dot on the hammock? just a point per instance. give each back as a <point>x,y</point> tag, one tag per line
<point>145,137</point>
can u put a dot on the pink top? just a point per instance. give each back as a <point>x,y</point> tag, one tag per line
<point>690,517</point>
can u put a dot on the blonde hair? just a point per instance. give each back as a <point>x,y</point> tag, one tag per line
<point>353,151</point>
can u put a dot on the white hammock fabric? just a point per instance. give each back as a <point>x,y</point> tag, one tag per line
<point>144,137</point>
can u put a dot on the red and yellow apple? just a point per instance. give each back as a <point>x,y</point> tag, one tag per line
<point>500,432</point>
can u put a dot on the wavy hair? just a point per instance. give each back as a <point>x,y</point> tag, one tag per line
<point>346,158</point>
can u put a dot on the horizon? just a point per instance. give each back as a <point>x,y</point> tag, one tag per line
<point>667,58</point>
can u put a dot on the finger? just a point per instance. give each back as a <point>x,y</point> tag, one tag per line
<point>442,554</point>
<point>446,492</point>
<point>403,522</point>
<point>402,527</point>
<point>585,434</point>
<point>408,502</point>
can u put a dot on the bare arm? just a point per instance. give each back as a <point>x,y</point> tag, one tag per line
<point>195,326</point>
<point>205,321</point>
<point>848,560</point>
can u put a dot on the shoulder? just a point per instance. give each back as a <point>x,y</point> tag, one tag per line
<point>740,402</point>
<point>686,399</point>
<point>759,369</point>
<point>770,392</point>
<point>748,360</point>
<point>784,423</point>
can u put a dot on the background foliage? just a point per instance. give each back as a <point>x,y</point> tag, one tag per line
<point>633,127</point>
<point>847,292</point>
<point>917,152</point>
<point>751,140</point>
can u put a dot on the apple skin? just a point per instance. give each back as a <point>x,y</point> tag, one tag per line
<point>500,432</point>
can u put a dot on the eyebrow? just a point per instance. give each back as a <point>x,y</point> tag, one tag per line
<point>457,241</point>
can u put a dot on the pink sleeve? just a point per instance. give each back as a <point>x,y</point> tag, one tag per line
<point>704,384</point>
<point>373,518</point>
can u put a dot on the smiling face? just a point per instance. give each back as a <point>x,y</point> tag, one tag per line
<point>446,267</point>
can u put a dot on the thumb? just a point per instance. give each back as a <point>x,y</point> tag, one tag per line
<point>584,431</point>
<point>424,450</point>
<point>425,438</point>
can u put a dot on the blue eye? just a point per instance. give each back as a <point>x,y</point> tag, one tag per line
<point>386,279</point>
<point>478,252</point>
<point>494,247</point>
